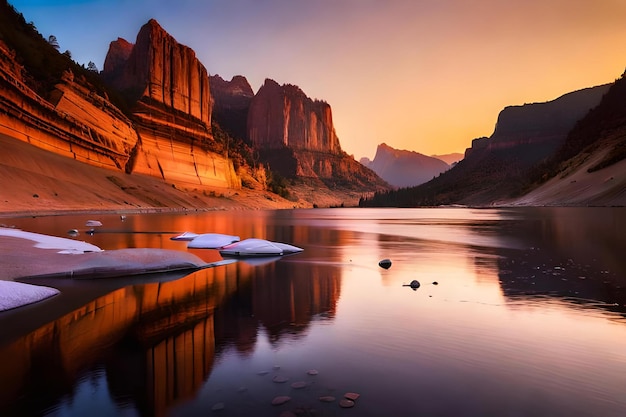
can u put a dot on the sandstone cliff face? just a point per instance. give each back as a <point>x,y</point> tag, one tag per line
<point>115,61</point>
<point>403,168</point>
<point>172,110</point>
<point>235,94</point>
<point>284,116</point>
<point>161,70</point>
<point>231,101</point>
<point>295,137</point>
<point>74,121</point>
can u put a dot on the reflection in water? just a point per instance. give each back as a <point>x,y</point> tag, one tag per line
<point>528,318</point>
<point>156,343</point>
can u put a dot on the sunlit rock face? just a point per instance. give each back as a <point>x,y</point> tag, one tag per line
<point>73,121</point>
<point>160,69</point>
<point>284,116</point>
<point>170,89</point>
<point>296,137</point>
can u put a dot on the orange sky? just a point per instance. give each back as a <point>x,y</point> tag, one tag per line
<point>422,75</point>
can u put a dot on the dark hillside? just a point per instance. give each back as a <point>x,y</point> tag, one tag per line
<point>502,166</point>
<point>604,126</point>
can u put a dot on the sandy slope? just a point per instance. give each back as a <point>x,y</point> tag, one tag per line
<point>34,181</point>
<point>606,187</point>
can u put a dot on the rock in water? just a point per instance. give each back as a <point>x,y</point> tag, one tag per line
<point>352,396</point>
<point>327,398</point>
<point>385,263</point>
<point>218,407</point>
<point>280,400</point>
<point>415,284</point>
<point>345,403</point>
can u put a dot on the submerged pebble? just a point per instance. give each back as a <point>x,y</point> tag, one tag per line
<point>218,407</point>
<point>352,396</point>
<point>327,398</point>
<point>280,379</point>
<point>345,403</point>
<point>299,384</point>
<point>312,372</point>
<point>282,399</point>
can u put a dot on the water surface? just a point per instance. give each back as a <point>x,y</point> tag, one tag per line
<point>520,312</point>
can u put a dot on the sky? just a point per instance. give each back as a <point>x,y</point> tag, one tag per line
<point>421,75</point>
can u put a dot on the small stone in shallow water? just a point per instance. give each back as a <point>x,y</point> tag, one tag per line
<point>282,399</point>
<point>263,373</point>
<point>299,384</point>
<point>276,367</point>
<point>345,403</point>
<point>385,263</point>
<point>352,396</point>
<point>435,283</point>
<point>327,398</point>
<point>218,407</point>
<point>280,379</point>
<point>312,372</point>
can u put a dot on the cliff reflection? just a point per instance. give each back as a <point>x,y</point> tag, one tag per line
<point>157,342</point>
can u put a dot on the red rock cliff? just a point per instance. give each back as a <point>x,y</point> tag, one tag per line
<point>172,106</point>
<point>161,69</point>
<point>284,116</point>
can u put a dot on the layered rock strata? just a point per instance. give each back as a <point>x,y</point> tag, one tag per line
<point>74,122</point>
<point>172,108</point>
<point>295,136</point>
<point>283,116</point>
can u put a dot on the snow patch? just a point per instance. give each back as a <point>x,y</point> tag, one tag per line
<point>16,294</point>
<point>51,242</point>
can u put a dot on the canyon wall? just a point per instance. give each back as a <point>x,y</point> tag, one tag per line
<point>73,122</point>
<point>231,101</point>
<point>172,108</point>
<point>296,138</point>
<point>284,116</point>
<point>159,69</point>
<point>540,126</point>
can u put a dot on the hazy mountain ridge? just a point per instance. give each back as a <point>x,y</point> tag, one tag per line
<point>402,168</point>
<point>516,162</point>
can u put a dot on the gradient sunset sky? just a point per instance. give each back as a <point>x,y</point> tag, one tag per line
<point>422,75</point>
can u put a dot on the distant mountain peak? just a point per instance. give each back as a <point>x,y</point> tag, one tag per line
<point>403,168</point>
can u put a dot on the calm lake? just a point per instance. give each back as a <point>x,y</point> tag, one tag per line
<point>519,312</point>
